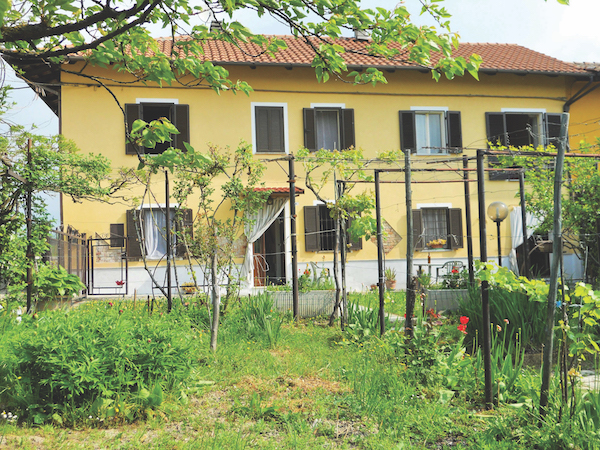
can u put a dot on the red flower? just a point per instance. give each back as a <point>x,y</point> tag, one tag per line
<point>432,313</point>
<point>462,329</point>
<point>110,303</point>
<point>120,282</point>
<point>464,320</point>
<point>454,270</point>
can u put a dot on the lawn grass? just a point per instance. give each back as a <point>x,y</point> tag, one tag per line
<point>315,388</point>
<point>395,301</point>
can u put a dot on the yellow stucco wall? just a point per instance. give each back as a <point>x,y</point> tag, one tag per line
<point>584,122</point>
<point>91,117</point>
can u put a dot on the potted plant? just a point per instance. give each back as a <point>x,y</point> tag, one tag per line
<point>390,279</point>
<point>436,243</point>
<point>54,285</point>
<point>189,287</point>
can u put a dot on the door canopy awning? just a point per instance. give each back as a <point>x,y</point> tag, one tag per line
<point>279,191</point>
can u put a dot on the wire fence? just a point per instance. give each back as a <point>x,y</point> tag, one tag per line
<point>70,250</point>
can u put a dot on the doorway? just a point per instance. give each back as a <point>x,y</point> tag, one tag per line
<point>269,255</point>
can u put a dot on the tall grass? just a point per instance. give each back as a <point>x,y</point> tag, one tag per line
<point>261,320</point>
<point>512,311</point>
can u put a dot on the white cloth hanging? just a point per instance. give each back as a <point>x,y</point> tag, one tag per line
<point>258,224</point>
<point>154,223</point>
<point>516,228</point>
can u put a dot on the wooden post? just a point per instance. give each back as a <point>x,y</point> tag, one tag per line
<point>168,232</point>
<point>486,344</point>
<point>524,224</point>
<point>293,216</point>
<point>343,256</point>
<point>336,248</point>
<point>554,267</point>
<point>30,256</point>
<point>381,283</point>
<point>410,285</point>
<point>468,220</point>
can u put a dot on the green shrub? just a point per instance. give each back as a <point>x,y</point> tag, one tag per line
<point>100,359</point>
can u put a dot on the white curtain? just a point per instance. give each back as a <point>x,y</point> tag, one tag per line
<point>154,223</point>
<point>516,228</point>
<point>260,222</point>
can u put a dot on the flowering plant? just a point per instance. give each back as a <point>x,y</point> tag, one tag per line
<point>456,279</point>
<point>464,320</point>
<point>436,243</point>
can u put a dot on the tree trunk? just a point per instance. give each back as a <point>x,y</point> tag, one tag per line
<point>216,303</point>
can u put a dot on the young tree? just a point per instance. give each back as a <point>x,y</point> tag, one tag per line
<point>350,165</point>
<point>219,215</point>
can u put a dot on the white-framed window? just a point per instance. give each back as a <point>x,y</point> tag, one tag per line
<point>149,109</point>
<point>437,226</point>
<point>269,127</point>
<point>429,130</point>
<point>519,127</point>
<point>328,126</point>
<point>431,138</point>
<point>152,222</point>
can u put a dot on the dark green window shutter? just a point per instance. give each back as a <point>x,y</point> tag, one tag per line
<point>455,233</point>
<point>353,244</point>
<point>347,121</point>
<point>408,132</point>
<point>496,134</point>
<point>181,120</point>
<point>552,125</point>
<point>310,138</point>
<point>134,249</point>
<point>117,235</point>
<point>184,225</point>
<point>454,131</point>
<point>495,128</point>
<point>311,229</point>
<point>418,229</point>
<point>132,113</point>
<point>269,129</point>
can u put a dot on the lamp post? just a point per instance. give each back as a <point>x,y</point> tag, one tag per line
<point>497,211</point>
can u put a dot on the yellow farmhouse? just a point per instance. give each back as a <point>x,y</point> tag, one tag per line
<point>518,100</point>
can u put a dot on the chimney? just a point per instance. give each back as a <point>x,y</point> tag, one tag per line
<point>216,25</point>
<point>361,35</point>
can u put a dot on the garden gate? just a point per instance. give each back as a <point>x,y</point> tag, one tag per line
<point>107,265</point>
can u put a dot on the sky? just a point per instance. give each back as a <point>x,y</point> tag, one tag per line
<point>569,33</point>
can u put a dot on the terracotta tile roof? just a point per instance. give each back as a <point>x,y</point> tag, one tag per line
<point>496,57</point>
<point>593,66</point>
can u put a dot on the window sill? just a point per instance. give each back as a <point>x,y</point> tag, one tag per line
<point>270,153</point>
